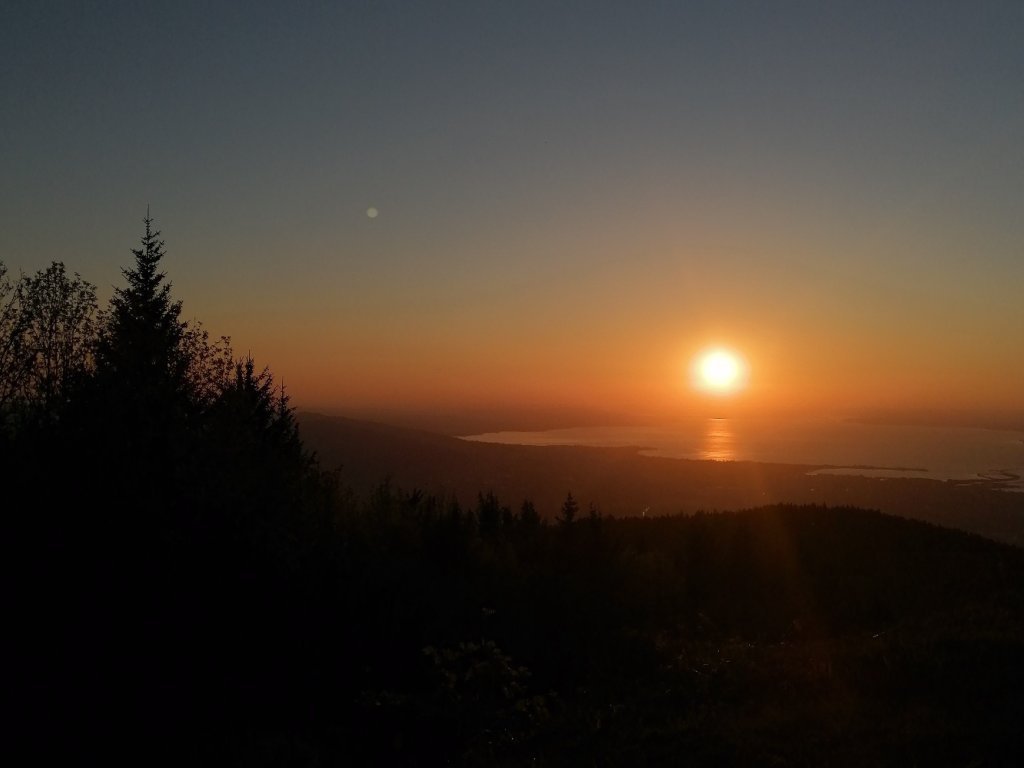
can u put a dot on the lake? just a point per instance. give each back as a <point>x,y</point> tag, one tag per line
<point>963,454</point>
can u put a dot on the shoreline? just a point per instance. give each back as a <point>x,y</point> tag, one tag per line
<point>693,445</point>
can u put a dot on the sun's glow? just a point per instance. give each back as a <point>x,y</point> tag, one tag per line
<point>720,371</point>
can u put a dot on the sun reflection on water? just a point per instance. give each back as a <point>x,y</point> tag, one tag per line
<point>719,441</point>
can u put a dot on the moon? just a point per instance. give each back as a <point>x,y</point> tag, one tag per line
<point>372,213</point>
<point>720,372</point>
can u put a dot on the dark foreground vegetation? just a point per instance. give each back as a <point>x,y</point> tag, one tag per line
<point>186,585</point>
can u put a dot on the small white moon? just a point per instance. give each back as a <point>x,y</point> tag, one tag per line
<point>372,213</point>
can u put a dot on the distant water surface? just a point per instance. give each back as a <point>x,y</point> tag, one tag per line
<point>963,454</point>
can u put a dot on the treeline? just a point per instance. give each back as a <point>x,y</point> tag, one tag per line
<point>158,504</point>
<point>782,635</point>
<point>188,586</point>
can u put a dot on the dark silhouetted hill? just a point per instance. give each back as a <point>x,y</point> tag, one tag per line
<point>621,482</point>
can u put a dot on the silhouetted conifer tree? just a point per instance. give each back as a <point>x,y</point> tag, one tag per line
<point>508,519</point>
<point>141,343</point>
<point>488,513</point>
<point>258,478</point>
<point>252,416</point>
<point>454,512</point>
<point>528,517</point>
<point>570,507</point>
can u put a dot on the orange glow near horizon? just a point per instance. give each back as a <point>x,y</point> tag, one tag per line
<point>630,353</point>
<point>385,237</point>
<point>650,372</point>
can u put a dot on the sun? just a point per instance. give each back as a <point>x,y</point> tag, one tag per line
<point>719,371</point>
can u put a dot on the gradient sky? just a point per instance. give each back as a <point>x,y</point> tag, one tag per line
<point>574,197</point>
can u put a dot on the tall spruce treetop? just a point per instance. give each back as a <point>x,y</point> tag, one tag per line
<point>142,340</point>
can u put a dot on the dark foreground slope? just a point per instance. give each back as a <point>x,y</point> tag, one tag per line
<point>781,635</point>
<point>406,630</point>
<point>621,482</point>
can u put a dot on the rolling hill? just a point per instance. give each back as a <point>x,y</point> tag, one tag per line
<point>621,482</point>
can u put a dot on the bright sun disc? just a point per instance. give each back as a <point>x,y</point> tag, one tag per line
<point>720,371</point>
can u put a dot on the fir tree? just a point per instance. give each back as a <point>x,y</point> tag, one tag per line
<point>488,514</point>
<point>141,343</point>
<point>142,391</point>
<point>529,519</point>
<point>570,507</point>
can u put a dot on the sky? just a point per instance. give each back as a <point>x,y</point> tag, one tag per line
<point>573,198</point>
